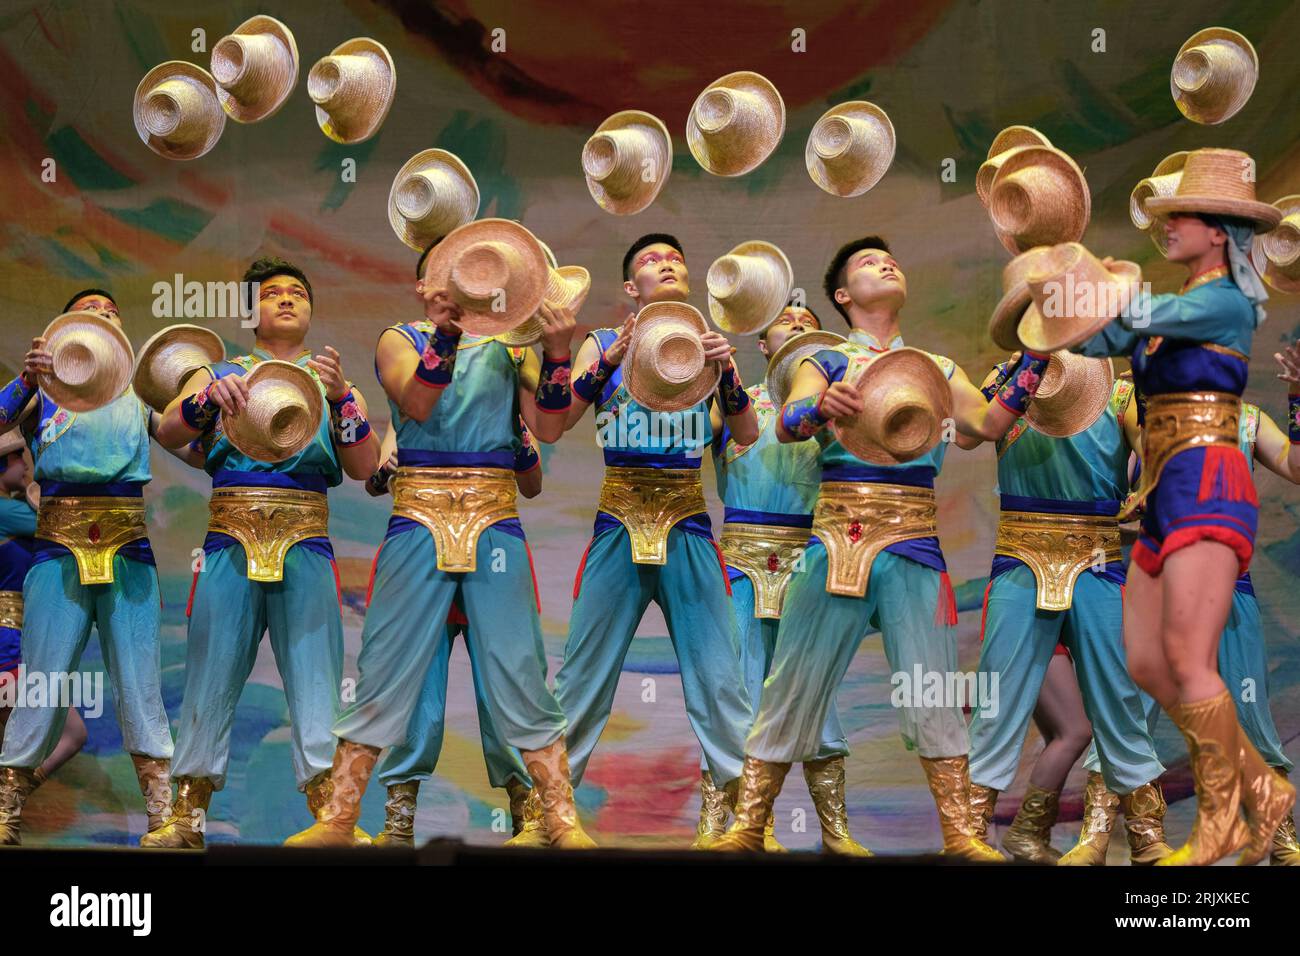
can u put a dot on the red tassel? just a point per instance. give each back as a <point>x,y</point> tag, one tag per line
<point>726,578</point>
<point>945,609</point>
<point>537,595</point>
<point>374,563</point>
<point>984,615</point>
<point>577,579</point>
<point>1225,471</point>
<point>338,584</point>
<point>190,604</point>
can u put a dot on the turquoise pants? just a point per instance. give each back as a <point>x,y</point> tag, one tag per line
<point>228,617</point>
<point>58,613</point>
<point>1244,668</point>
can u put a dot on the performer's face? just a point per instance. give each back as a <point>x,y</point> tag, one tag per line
<point>1189,238</point>
<point>872,278</point>
<point>101,305</point>
<point>658,275</point>
<point>791,322</point>
<point>284,308</point>
<point>14,476</point>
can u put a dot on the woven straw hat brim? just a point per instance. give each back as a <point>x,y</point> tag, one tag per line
<point>11,441</point>
<point>908,365</point>
<point>1013,137</point>
<point>1283,278</point>
<point>1264,216</point>
<point>158,378</point>
<point>202,80</point>
<point>639,373</point>
<point>785,361</point>
<point>271,97</point>
<point>870,172</point>
<point>577,283</point>
<point>108,382</point>
<point>369,125</point>
<point>1137,212</point>
<point>245,437</point>
<point>738,162</point>
<point>33,496</point>
<point>1077,404</point>
<point>1220,112</point>
<point>728,318</point>
<point>1050,335</point>
<point>417,234</point>
<point>1074,208</point>
<point>646,192</point>
<point>527,296</point>
<point>1006,316</point>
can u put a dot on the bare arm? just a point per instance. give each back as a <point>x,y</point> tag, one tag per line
<point>976,416</point>
<point>187,453</point>
<point>1275,451</point>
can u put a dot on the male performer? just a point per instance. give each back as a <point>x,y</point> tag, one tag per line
<point>267,561</point>
<point>454,399</point>
<point>652,496</point>
<point>909,593</point>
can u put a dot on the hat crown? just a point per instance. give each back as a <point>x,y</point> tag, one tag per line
<point>1282,245</point>
<point>904,421</point>
<point>720,107</point>
<point>342,81</point>
<point>614,157</point>
<point>843,143</point>
<point>741,278</point>
<point>1153,187</point>
<point>1218,173</point>
<point>675,353</point>
<point>279,411</point>
<point>78,356</point>
<point>1055,379</point>
<point>1208,71</point>
<point>245,63</point>
<point>174,109</point>
<point>1037,201</point>
<point>483,270</point>
<point>1017,271</point>
<point>1067,262</point>
<point>425,190</point>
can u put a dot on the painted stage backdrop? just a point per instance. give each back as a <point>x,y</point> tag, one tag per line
<point>950,75</point>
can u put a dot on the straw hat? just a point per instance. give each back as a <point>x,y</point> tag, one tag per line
<point>1162,182</point>
<point>664,368</point>
<point>735,123</point>
<point>1015,297</point>
<point>11,441</point>
<point>1004,144</point>
<point>1039,198</point>
<point>850,148</point>
<point>784,363</point>
<point>353,89</point>
<point>1218,182</point>
<point>176,110</point>
<point>1213,75</point>
<point>906,400</point>
<point>283,415</point>
<point>1276,255</point>
<point>1075,390</point>
<point>619,155</point>
<point>1072,281</point>
<point>169,358</point>
<point>92,361</point>
<point>748,287</point>
<point>566,287</point>
<point>256,68</point>
<point>432,194</point>
<point>495,270</point>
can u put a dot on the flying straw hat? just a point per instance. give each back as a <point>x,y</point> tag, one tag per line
<point>1162,182</point>
<point>785,361</point>
<point>1015,297</point>
<point>1276,254</point>
<point>495,270</point>
<point>1074,297</point>
<point>353,89</point>
<point>748,287</point>
<point>92,361</point>
<point>1219,182</point>
<point>1213,75</point>
<point>1004,144</point>
<point>432,194</point>
<point>255,68</point>
<point>735,123</point>
<point>283,414</point>
<point>1039,198</point>
<point>169,358</point>
<point>176,110</point>
<point>664,368</point>
<point>627,161</point>
<point>850,148</point>
<point>566,287</point>
<point>1075,390</point>
<point>906,399</point>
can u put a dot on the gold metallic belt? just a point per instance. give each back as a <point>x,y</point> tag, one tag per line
<point>858,520</point>
<point>767,555</point>
<point>92,529</point>
<point>456,505</point>
<point>648,502</point>
<point>11,609</point>
<point>268,522</point>
<point>1057,548</point>
<point>1179,421</point>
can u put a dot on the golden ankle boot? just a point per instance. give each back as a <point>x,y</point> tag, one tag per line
<point>317,791</point>
<point>549,768</point>
<point>1266,799</point>
<point>1211,730</point>
<point>154,775</point>
<point>756,791</point>
<point>825,779</point>
<point>983,800</point>
<point>532,831</point>
<point>1029,838</point>
<point>16,783</point>
<point>517,792</point>
<point>1286,848</point>
<point>1144,822</point>
<point>188,821</point>
<point>770,843</point>
<point>399,815</point>
<point>1100,806</point>
<point>949,780</point>
<point>715,808</point>
<point>336,820</point>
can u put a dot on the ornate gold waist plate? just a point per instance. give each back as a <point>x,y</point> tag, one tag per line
<point>1057,548</point>
<point>1177,422</point>
<point>92,529</point>
<point>11,609</point>
<point>268,522</point>
<point>456,505</point>
<point>857,520</point>
<point>767,555</point>
<point>648,502</point>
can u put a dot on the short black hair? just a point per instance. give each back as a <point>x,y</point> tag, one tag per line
<point>85,292</point>
<point>649,239</point>
<point>835,271</point>
<point>261,269</point>
<point>424,257</point>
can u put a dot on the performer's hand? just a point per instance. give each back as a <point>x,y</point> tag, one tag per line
<point>716,347</point>
<point>618,348</point>
<point>1289,359</point>
<point>330,370</point>
<point>840,400</point>
<point>557,329</point>
<point>441,311</point>
<point>230,394</point>
<point>378,483</point>
<point>37,361</point>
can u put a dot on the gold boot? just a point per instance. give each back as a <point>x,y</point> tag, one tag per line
<point>715,807</point>
<point>399,815</point>
<point>154,774</point>
<point>318,790</point>
<point>756,790</point>
<point>1029,838</point>
<point>1286,849</point>
<point>1266,799</point>
<point>1144,822</point>
<point>549,768</point>
<point>532,830</point>
<point>983,800</point>
<point>336,821</point>
<point>16,783</point>
<point>1211,730</point>
<point>825,780</point>
<point>1099,808</point>
<point>770,843</point>
<point>949,780</point>
<point>184,829</point>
